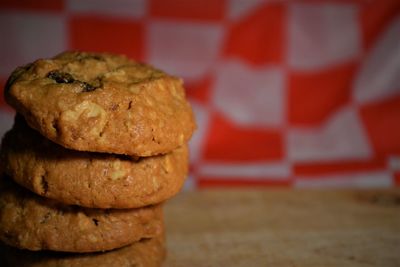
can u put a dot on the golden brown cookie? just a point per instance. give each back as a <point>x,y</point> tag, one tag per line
<point>95,180</point>
<point>31,222</point>
<point>102,103</point>
<point>144,253</point>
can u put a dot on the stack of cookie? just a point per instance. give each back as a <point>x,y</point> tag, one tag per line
<point>98,144</point>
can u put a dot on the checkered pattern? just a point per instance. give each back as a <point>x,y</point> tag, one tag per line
<point>286,93</point>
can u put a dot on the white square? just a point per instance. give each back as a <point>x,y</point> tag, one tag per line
<point>238,9</point>
<point>128,8</point>
<point>379,74</point>
<point>27,37</point>
<point>341,137</point>
<point>370,179</point>
<point>250,96</point>
<point>268,170</point>
<point>321,35</point>
<point>185,49</point>
<point>394,163</point>
<point>197,142</point>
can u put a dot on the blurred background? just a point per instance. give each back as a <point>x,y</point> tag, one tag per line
<point>286,93</point>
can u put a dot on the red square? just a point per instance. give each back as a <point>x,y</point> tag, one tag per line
<point>314,96</point>
<point>397,179</point>
<point>228,142</point>
<point>200,90</point>
<point>47,5</point>
<point>382,122</point>
<point>343,166</point>
<point>374,17</point>
<point>102,34</point>
<point>208,182</point>
<point>260,37</point>
<point>184,9</point>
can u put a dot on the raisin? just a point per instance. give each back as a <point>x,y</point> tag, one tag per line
<point>86,87</point>
<point>60,77</point>
<point>95,221</point>
<point>83,57</point>
<point>93,85</point>
<point>96,57</point>
<point>63,77</point>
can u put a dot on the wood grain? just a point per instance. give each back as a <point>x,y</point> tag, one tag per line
<point>284,228</point>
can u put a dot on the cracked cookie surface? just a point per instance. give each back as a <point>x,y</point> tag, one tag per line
<point>31,222</point>
<point>95,180</point>
<point>102,103</point>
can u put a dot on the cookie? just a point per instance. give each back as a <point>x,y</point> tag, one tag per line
<point>102,103</point>
<point>95,180</point>
<point>144,253</point>
<point>31,222</point>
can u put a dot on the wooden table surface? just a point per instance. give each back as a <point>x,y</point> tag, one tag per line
<point>284,228</point>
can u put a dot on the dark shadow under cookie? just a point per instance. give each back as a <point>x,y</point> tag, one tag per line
<point>148,252</point>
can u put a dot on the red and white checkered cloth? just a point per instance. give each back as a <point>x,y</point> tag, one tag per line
<point>286,93</point>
